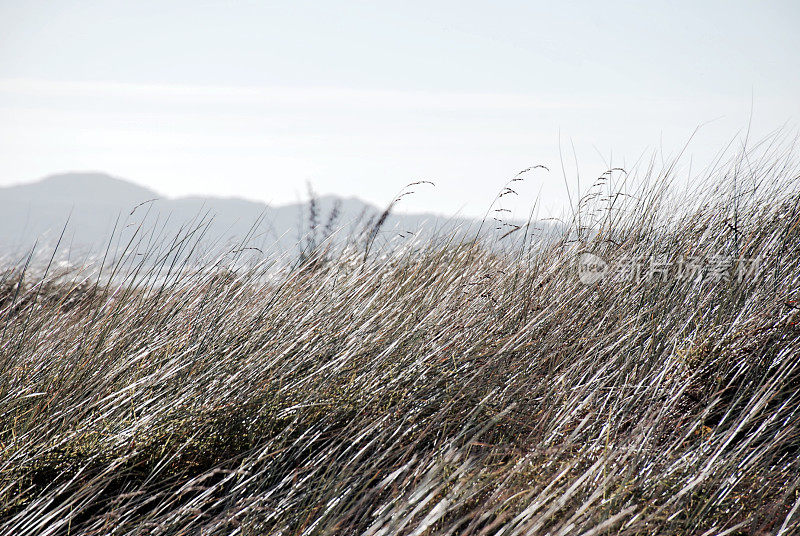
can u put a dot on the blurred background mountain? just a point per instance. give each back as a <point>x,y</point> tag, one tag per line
<point>90,208</point>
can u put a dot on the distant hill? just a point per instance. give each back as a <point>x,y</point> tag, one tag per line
<point>95,204</point>
<point>94,188</point>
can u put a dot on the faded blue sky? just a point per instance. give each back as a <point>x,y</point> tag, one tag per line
<point>254,98</point>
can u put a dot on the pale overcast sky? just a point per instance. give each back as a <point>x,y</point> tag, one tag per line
<point>253,99</point>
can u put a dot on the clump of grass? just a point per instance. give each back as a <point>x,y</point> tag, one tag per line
<point>447,388</point>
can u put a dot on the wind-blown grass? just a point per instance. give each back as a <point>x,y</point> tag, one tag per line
<point>449,388</point>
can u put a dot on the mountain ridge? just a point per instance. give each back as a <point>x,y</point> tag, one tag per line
<point>99,178</point>
<point>89,206</point>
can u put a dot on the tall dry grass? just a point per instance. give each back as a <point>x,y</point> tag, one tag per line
<point>455,388</point>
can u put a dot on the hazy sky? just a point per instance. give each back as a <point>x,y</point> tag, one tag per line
<point>255,98</point>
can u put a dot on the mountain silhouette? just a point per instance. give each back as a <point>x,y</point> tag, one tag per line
<point>86,210</point>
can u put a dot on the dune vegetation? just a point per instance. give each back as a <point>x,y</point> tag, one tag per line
<point>449,387</point>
